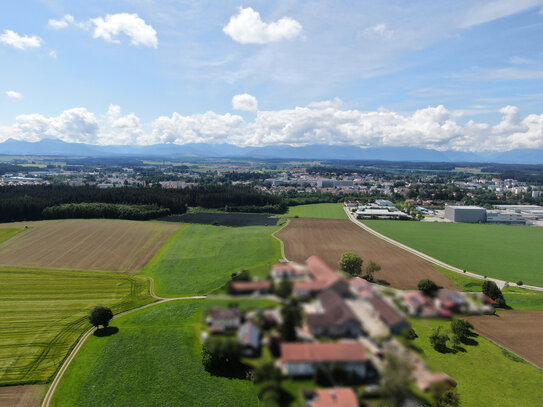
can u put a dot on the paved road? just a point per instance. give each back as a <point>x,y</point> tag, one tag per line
<point>500,283</point>
<point>51,390</point>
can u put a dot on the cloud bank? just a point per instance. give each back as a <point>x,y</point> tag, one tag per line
<point>318,123</point>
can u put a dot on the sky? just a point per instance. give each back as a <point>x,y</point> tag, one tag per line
<point>448,75</point>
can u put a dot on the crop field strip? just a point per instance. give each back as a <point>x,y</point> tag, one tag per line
<point>28,395</point>
<point>93,245</point>
<point>201,258</point>
<point>154,348</point>
<point>43,312</point>
<point>331,238</point>
<point>318,211</point>
<point>500,251</point>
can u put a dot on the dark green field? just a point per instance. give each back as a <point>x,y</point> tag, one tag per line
<point>154,360</point>
<point>322,211</point>
<point>510,253</point>
<point>201,258</point>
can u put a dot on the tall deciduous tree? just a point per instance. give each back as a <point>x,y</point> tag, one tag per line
<point>351,263</point>
<point>396,379</point>
<point>100,316</point>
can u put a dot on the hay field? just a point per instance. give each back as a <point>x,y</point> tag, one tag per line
<point>330,238</point>
<point>43,312</point>
<point>519,331</point>
<point>79,244</point>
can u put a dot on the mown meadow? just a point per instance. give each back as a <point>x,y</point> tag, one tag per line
<point>153,360</point>
<point>501,251</point>
<point>486,374</point>
<point>321,211</point>
<point>201,258</point>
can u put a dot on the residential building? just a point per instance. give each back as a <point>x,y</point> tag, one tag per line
<point>337,397</point>
<point>249,337</point>
<point>250,287</point>
<point>301,359</point>
<point>331,316</point>
<point>388,314</point>
<point>221,319</point>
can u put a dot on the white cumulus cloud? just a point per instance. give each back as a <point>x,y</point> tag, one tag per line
<point>62,23</point>
<point>245,102</point>
<point>134,27</point>
<point>247,27</point>
<point>22,42</point>
<point>379,30</point>
<point>13,94</point>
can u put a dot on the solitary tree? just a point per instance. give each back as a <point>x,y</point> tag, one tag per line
<point>428,287</point>
<point>292,318</point>
<point>461,329</point>
<point>491,289</point>
<point>371,269</point>
<point>100,316</point>
<point>439,339</point>
<point>396,379</point>
<point>351,263</point>
<point>284,288</point>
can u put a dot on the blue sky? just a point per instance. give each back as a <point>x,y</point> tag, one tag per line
<point>464,75</point>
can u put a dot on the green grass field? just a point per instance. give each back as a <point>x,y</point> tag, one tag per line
<point>199,259</point>
<point>43,312</point>
<point>322,211</point>
<point>517,298</point>
<point>487,375</point>
<point>154,360</point>
<point>500,251</point>
<point>8,233</point>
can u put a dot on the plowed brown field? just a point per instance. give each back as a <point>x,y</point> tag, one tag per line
<point>330,238</point>
<point>101,244</point>
<point>22,396</point>
<point>519,331</point>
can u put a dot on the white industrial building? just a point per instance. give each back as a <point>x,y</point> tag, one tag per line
<point>465,214</point>
<point>505,217</point>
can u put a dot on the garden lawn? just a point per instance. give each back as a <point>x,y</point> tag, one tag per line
<point>500,251</point>
<point>154,360</point>
<point>487,375</point>
<point>322,211</point>
<point>43,312</point>
<point>516,298</point>
<point>201,258</point>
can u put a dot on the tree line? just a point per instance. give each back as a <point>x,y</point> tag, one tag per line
<point>104,210</point>
<point>27,202</point>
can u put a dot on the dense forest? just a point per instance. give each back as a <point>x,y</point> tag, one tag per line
<point>103,210</point>
<point>28,202</point>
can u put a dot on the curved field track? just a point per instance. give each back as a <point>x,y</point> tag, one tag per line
<point>330,238</point>
<point>521,332</point>
<point>93,245</point>
<point>22,396</point>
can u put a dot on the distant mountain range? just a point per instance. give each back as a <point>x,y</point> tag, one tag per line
<point>316,151</point>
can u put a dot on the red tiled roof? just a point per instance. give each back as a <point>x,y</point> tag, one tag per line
<point>323,352</point>
<point>359,283</point>
<point>250,285</point>
<point>321,271</point>
<point>341,397</point>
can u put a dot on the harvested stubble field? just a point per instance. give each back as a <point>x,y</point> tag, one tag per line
<point>519,331</point>
<point>330,238</point>
<point>94,245</point>
<point>22,396</point>
<point>43,312</point>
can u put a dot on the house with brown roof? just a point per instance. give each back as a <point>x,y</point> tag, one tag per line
<point>322,277</point>
<point>332,317</point>
<point>288,270</point>
<point>419,305</point>
<point>222,319</point>
<point>337,397</point>
<point>249,287</point>
<point>301,359</point>
<point>388,314</point>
